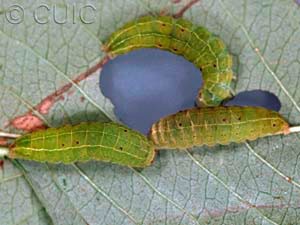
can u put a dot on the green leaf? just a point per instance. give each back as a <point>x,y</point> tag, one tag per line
<point>251,183</point>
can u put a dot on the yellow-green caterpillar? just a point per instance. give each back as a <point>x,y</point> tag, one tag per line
<point>216,125</point>
<point>181,37</point>
<point>110,142</point>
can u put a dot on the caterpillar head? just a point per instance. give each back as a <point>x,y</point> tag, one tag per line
<point>279,126</point>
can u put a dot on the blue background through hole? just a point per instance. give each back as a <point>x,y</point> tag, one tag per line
<point>147,84</point>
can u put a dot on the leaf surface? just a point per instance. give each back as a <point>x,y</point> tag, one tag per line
<point>251,183</point>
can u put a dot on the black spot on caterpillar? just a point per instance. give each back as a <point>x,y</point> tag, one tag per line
<point>181,37</point>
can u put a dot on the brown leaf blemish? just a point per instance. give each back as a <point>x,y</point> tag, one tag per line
<point>1,164</point>
<point>185,8</point>
<point>289,179</point>
<point>3,141</point>
<point>30,122</point>
<point>82,99</point>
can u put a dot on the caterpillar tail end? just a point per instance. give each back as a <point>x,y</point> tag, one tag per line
<point>104,48</point>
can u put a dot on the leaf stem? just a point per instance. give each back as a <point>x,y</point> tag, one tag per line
<point>295,129</point>
<point>3,152</point>
<point>9,135</point>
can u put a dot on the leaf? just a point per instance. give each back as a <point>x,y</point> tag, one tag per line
<point>252,183</point>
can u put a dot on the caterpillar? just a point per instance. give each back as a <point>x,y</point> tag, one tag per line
<point>216,125</point>
<point>110,142</point>
<point>196,44</point>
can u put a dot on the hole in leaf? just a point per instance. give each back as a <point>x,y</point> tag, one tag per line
<point>147,84</point>
<point>260,98</point>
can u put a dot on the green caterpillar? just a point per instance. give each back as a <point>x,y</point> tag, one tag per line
<point>181,37</point>
<point>216,125</point>
<point>110,142</point>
